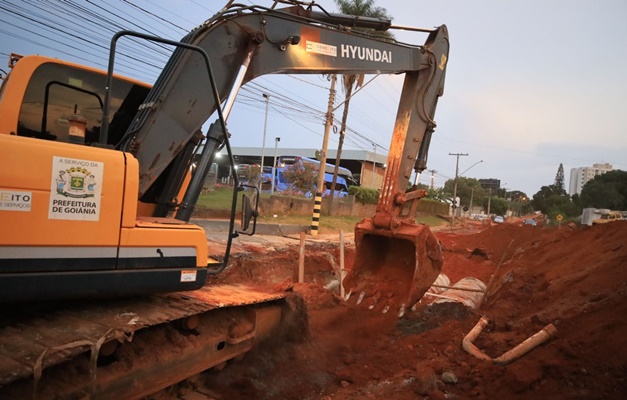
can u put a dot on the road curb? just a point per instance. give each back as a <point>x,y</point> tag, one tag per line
<point>215,225</point>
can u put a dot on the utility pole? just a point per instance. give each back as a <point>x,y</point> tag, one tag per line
<point>276,146</point>
<point>433,172</point>
<point>489,200</point>
<point>472,193</point>
<point>455,186</point>
<point>263,145</point>
<point>315,219</point>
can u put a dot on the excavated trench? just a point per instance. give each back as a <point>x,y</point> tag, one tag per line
<point>573,278</point>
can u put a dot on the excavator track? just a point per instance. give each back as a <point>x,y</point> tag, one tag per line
<point>130,348</point>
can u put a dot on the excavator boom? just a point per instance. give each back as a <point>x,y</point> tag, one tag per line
<point>296,40</point>
<point>261,41</point>
<point>87,206</point>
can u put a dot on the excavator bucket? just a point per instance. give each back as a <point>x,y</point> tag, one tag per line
<point>393,269</point>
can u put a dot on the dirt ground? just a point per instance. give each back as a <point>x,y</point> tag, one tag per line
<point>572,277</point>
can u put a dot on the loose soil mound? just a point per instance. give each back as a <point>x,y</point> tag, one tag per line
<point>574,278</point>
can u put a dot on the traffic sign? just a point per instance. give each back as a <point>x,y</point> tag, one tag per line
<point>559,217</point>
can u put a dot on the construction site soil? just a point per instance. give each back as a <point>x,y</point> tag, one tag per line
<point>572,277</point>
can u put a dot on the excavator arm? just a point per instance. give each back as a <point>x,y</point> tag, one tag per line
<point>396,259</point>
<point>243,43</point>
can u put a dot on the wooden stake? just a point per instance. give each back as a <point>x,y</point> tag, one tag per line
<point>489,285</point>
<point>301,259</point>
<point>341,277</point>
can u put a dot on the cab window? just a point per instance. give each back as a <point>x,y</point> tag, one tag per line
<point>58,92</point>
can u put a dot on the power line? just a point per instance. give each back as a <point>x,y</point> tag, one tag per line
<point>48,22</point>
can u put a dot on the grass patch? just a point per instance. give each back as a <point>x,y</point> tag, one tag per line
<point>220,198</point>
<point>328,224</point>
<point>431,221</point>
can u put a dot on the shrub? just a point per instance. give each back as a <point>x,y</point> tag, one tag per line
<point>364,195</point>
<point>301,176</point>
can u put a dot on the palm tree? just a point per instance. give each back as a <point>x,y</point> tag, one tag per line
<point>362,8</point>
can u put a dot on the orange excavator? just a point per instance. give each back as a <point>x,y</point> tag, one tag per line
<point>100,175</point>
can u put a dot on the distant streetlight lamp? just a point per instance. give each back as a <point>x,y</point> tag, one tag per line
<point>466,170</point>
<point>457,175</point>
<point>265,125</point>
<point>521,200</point>
<point>463,172</point>
<point>276,146</point>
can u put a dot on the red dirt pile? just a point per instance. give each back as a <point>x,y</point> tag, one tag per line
<point>573,277</point>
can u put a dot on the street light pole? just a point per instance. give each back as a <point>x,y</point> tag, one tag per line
<point>433,172</point>
<point>489,200</point>
<point>374,163</point>
<point>276,146</point>
<point>472,193</point>
<point>455,186</point>
<point>263,145</point>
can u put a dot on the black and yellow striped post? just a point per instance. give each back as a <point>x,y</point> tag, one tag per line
<point>315,219</point>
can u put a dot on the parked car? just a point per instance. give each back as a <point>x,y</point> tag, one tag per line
<point>531,222</point>
<point>499,219</point>
<point>479,217</point>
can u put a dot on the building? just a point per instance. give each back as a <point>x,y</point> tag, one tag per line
<point>490,184</point>
<point>368,166</point>
<point>580,176</point>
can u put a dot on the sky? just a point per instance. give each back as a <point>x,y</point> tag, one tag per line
<point>530,84</point>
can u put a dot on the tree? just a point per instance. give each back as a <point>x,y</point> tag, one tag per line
<point>517,202</point>
<point>552,200</point>
<point>606,191</point>
<point>302,176</point>
<point>552,197</point>
<point>467,189</point>
<point>363,8</point>
<point>559,178</point>
<point>498,205</point>
<point>249,173</point>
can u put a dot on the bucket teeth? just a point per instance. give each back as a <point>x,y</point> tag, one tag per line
<point>371,307</point>
<point>401,312</point>
<point>386,309</point>
<point>361,297</point>
<point>396,260</point>
<point>348,295</point>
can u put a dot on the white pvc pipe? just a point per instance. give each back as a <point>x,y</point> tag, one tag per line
<point>523,348</point>
<point>529,344</point>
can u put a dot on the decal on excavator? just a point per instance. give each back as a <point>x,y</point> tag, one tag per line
<point>11,200</point>
<point>321,48</point>
<point>366,53</point>
<point>442,62</point>
<point>75,189</point>
<point>188,276</point>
